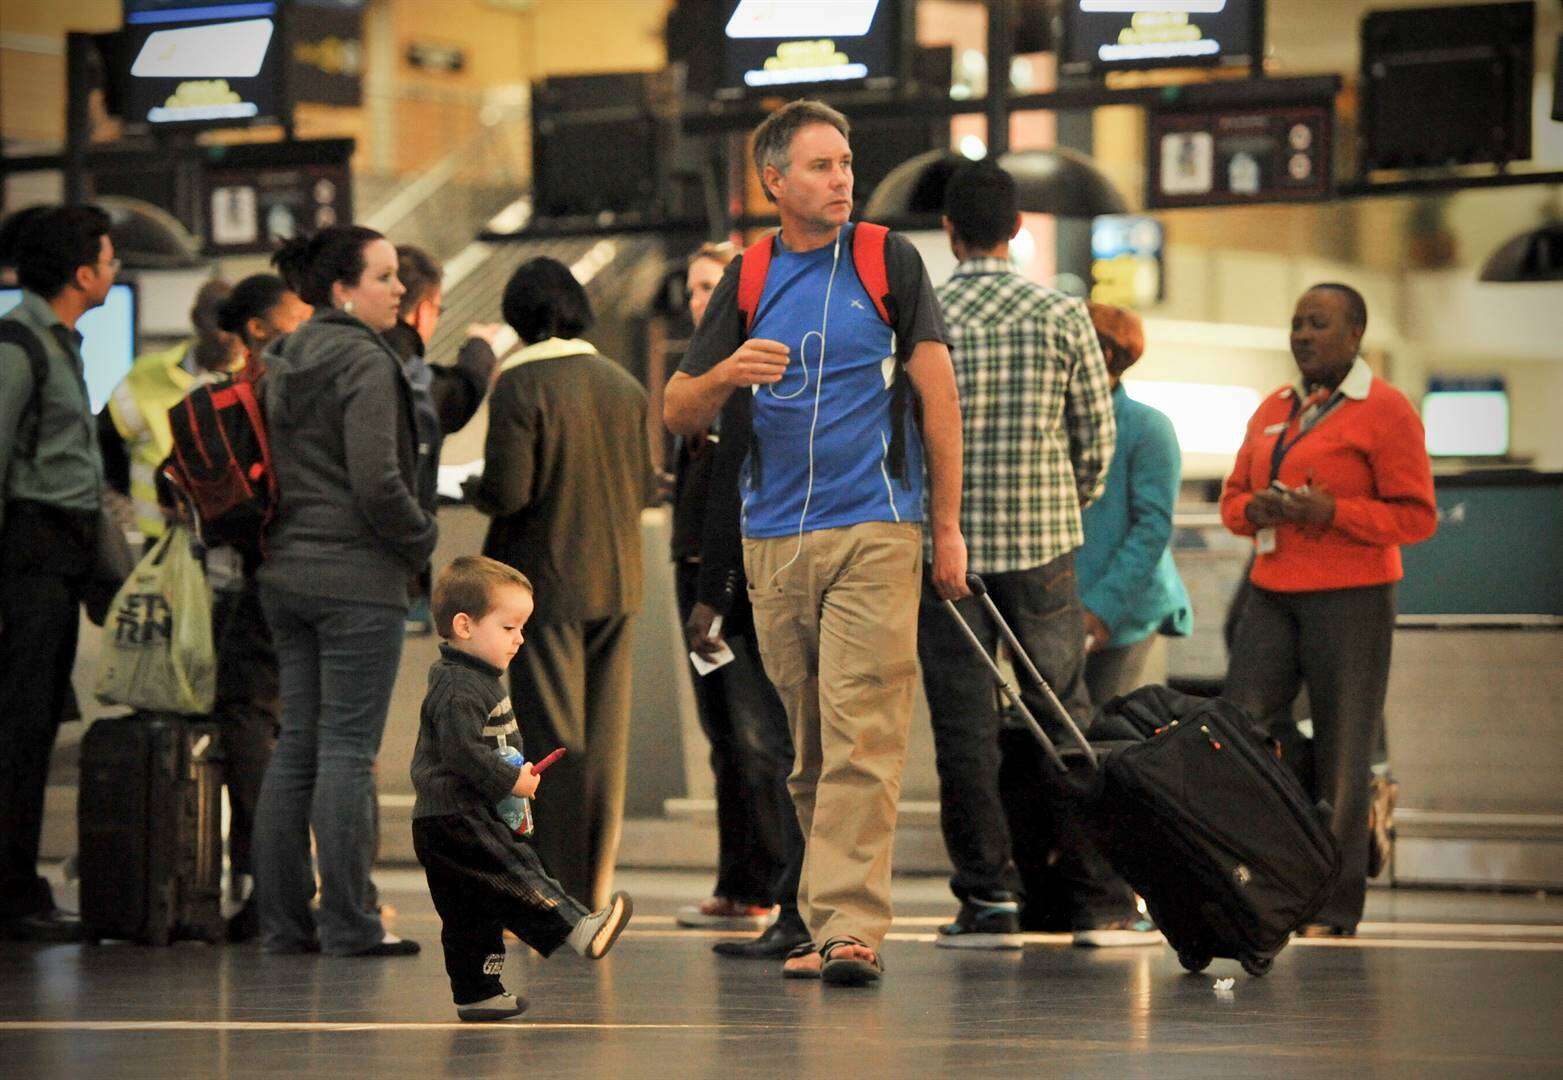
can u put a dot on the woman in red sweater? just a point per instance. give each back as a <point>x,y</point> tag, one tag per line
<point>1331,479</point>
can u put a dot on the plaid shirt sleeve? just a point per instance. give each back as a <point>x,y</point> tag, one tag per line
<point>1088,409</point>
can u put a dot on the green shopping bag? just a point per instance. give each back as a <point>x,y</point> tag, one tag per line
<point>157,649</point>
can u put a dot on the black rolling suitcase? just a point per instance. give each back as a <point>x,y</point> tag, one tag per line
<point>1195,814</point>
<point>149,829</point>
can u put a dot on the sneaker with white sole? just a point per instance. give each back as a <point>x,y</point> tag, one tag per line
<point>983,924</point>
<point>1131,931</point>
<point>720,913</point>
<point>594,935</point>
<point>498,1007</point>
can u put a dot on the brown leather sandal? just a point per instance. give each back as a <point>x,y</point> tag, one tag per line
<point>845,970</point>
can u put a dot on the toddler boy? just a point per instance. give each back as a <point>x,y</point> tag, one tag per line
<point>483,877</point>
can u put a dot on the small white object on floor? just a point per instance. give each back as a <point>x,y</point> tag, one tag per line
<point>1224,984</point>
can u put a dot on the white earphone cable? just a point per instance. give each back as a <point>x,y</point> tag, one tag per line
<point>819,383</point>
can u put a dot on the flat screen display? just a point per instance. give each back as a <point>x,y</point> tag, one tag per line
<point>108,339</point>
<point>1126,260</point>
<point>769,44</point>
<point>209,65</point>
<point>1466,418</point>
<point>1110,35</point>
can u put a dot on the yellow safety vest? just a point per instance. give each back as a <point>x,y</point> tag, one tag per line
<point>139,408</point>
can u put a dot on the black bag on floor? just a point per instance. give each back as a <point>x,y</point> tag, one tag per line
<point>1195,813</point>
<point>149,827</point>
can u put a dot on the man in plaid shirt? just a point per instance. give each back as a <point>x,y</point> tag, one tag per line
<point>1037,418</point>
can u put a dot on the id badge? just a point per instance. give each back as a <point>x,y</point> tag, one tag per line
<point>1264,541</point>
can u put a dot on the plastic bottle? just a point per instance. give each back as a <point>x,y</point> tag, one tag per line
<point>516,810</point>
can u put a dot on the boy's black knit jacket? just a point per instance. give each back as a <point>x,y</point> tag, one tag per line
<point>466,718</point>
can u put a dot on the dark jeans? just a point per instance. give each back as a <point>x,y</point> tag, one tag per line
<point>758,838</point>
<point>570,685</point>
<point>247,709</point>
<point>44,563</point>
<point>484,880</point>
<point>1042,606</point>
<point>338,665</point>
<point>1116,670</point>
<point>1337,643</point>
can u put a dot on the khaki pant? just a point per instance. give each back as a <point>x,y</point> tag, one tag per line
<point>837,629</point>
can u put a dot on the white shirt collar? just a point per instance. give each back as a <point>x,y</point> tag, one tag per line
<point>1356,384</point>
<point>548,349</point>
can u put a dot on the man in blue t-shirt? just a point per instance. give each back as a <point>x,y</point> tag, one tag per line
<point>833,495</point>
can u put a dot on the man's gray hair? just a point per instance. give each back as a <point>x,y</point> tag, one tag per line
<point>773,138</point>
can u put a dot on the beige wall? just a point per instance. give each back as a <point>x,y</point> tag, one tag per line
<point>32,61</point>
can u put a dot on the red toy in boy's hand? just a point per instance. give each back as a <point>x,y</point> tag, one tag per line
<point>547,761</point>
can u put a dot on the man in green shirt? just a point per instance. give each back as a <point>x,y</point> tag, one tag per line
<point>51,476</point>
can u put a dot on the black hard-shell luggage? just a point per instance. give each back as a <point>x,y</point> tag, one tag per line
<point>1195,814</point>
<point>149,829</point>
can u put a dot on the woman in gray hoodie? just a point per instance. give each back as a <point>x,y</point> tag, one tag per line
<point>349,535</point>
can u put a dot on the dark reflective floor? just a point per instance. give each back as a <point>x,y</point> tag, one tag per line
<point>1438,985</point>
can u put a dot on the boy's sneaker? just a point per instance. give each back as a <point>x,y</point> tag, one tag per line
<point>498,1007</point>
<point>1135,930</point>
<point>983,924</point>
<point>720,913</point>
<point>594,935</point>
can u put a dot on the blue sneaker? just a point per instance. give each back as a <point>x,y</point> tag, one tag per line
<point>983,924</point>
<point>420,620</point>
<point>1136,930</point>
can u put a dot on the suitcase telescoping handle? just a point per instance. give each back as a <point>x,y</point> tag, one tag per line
<point>980,591</point>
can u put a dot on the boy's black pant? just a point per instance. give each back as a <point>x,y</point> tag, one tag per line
<point>484,880</point>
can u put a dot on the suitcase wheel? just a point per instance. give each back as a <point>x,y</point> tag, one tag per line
<point>1195,962</point>
<point>1255,965</point>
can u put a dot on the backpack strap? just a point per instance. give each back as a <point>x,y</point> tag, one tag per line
<point>15,333</point>
<point>751,277</point>
<point>868,257</point>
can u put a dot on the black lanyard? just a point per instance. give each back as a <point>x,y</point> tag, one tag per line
<point>1282,447</point>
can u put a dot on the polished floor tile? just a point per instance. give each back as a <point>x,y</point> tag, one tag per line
<point>1439,984</point>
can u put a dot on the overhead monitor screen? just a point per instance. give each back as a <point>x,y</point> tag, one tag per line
<point>1466,417</point>
<point>1109,35</point>
<point>784,43</point>
<point>108,339</point>
<point>210,65</point>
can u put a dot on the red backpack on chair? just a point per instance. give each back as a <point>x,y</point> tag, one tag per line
<point>221,460</point>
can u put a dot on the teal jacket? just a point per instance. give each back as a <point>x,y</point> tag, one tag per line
<point>1125,568</point>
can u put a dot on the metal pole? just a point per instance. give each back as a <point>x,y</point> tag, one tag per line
<point>1001,52</point>
<point>78,116</point>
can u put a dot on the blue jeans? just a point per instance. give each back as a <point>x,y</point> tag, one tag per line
<point>338,663</point>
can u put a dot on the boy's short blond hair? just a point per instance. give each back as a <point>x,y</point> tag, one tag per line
<point>468,585</point>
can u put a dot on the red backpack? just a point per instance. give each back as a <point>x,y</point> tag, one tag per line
<point>221,460</point>
<point>868,258</point>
